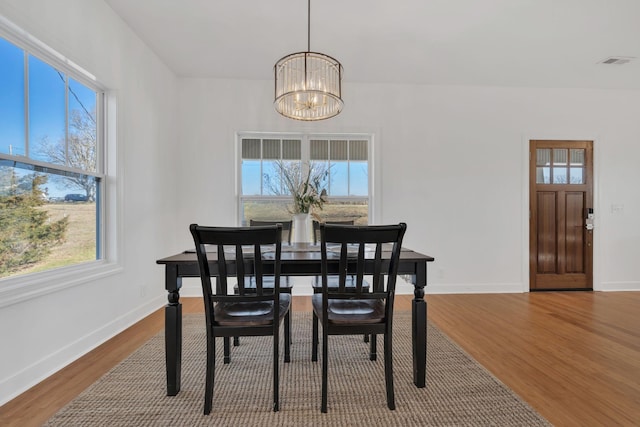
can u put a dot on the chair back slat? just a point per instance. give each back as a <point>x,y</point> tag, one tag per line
<point>378,285</point>
<point>239,264</point>
<point>221,284</point>
<point>360,268</point>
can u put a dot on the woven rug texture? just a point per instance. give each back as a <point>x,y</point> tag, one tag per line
<point>459,391</point>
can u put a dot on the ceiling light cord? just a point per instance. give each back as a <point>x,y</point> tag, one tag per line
<point>308,25</point>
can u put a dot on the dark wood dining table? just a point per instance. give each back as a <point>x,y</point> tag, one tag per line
<point>297,260</point>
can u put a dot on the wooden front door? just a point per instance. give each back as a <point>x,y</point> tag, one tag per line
<point>560,201</point>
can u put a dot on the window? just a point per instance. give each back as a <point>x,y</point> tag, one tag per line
<point>552,166</point>
<point>345,158</point>
<point>51,161</point>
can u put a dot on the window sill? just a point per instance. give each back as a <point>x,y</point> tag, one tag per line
<point>29,286</point>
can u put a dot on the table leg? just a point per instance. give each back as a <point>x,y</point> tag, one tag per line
<point>419,327</point>
<point>173,330</point>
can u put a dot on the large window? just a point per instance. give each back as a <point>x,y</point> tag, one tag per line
<point>51,162</point>
<point>345,158</point>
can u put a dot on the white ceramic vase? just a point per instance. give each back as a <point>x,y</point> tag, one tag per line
<point>300,228</point>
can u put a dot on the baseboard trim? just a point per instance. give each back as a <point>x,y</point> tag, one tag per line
<point>28,377</point>
<point>619,286</point>
<point>474,288</point>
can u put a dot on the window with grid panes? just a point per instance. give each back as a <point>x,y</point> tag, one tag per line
<point>560,166</point>
<point>346,157</point>
<point>51,169</point>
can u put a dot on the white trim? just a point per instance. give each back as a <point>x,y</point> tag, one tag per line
<point>578,136</point>
<point>526,215</point>
<point>620,286</point>
<point>375,183</point>
<point>28,286</point>
<point>52,363</point>
<point>18,288</point>
<point>24,287</point>
<point>50,166</point>
<point>475,288</point>
<point>32,45</point>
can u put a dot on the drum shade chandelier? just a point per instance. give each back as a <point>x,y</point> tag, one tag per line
<point>308,85</point>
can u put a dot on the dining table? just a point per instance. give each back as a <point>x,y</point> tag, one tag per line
<point>297,259</point>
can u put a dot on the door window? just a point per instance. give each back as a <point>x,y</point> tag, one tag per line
<point>560,166</point>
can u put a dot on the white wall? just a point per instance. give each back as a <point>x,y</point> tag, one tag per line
<point>45,333</point>
<point>452,163</point>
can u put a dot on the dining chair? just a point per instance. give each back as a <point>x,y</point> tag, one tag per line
<point>286,227</point>
<point>267,281</point>
<point>351,310</point>
<point>316,283</point>
<point>240,251</point>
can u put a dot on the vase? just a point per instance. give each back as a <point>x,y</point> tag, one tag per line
<point>300,228</point>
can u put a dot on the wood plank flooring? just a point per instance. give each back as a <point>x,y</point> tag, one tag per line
<point>573,356</point>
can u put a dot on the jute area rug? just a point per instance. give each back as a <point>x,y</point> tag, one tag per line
<point>459,391</point>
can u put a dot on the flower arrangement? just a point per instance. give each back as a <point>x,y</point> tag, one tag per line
<point>304,181</point>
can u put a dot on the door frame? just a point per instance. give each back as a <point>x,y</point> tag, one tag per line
<point>526,138</point>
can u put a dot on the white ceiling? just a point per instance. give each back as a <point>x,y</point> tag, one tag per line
<point>539,43</point>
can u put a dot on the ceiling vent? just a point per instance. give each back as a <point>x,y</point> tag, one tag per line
<point>617,60</point>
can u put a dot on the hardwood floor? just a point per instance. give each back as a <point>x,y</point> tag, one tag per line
<point>573,356</point>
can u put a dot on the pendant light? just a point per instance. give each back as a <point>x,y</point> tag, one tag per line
<point>308,85</point>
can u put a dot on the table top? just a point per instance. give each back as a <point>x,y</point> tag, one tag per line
<point>295,252</point>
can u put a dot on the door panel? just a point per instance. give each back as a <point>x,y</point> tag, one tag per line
<point>547,248</point>
<point>575,231</point>
<point>561,193</point>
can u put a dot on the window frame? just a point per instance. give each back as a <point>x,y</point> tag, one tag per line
<point>305,138</point>
<point>21,287</point>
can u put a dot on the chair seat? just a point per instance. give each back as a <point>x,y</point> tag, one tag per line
<point>257,313</point>
<point>350,311</point>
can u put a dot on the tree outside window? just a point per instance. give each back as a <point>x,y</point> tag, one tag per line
<point>50,170</point>
<point>345,177</point>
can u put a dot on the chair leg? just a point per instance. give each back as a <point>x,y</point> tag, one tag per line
<point>325,369</point>
<point>227,350</point>
<point>366,338</point>
<point>373,352</point>
<point>287,337</point>
<point>210,374</point>
<point>388,371</point>
<point>276,372</point>
<point>314,339</point>
<point>236,341</point>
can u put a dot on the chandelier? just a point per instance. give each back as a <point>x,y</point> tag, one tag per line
<point>308,85</point>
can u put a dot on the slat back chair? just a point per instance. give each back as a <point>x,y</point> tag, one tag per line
<point>316,285</point>
<point>241,251</point>
<point>347,310</point>
<point>267,281</point>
